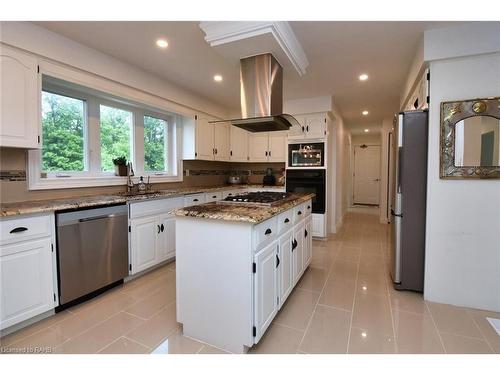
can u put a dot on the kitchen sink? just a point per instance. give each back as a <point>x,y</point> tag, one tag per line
<point>138,193</point>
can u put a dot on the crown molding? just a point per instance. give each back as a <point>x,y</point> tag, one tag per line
<point>222,32</point>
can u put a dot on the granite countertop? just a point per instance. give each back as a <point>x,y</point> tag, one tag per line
<point>49,205</point>
<point>242,212</point>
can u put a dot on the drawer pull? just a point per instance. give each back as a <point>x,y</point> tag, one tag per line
<point>19,229</point>
<point>277,260</point>
<point>294,244</point>
<point>214,196</point>
<point>195,200</point>
<point>305,233</point>
<point>287,220</point>
<point>308,207</point>
<point>299,213</point>
<point>268,231</point>
<point>162,227</point>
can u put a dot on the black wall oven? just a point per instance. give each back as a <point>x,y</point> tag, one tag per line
<point>309,181</point>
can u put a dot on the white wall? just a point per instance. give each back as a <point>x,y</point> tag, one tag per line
<point>462,264</point>
<point>417,67</point>
<point>55,47</point>
<point>368,139</point>
<point>341,150</point>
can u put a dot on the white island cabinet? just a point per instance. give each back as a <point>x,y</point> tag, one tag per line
<point>230,286</point>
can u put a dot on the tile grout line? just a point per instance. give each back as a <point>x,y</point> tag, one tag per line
<point>435,327</point>
<point>392,314</point>
<point>317,302</point>
<point>479,329</point>
<point>352,311</point>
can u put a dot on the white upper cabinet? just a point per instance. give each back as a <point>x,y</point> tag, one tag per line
<point>297,131</point>
<point>221,141</point>
<point>204,139</point>
<point>238,144</point>
<point>19,113</point>
<point>312,126</point>
<point>258,146</point>
<point>267,147</point>
<point>277,147</point>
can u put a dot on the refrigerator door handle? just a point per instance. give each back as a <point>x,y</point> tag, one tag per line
<point>395,214</point>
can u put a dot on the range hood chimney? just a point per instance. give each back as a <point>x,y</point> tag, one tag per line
<point>261,95</point>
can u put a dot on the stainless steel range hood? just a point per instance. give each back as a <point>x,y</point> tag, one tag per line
<point>261,95</point>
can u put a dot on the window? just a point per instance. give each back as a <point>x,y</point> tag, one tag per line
<point>115,128</point>
<point>85,129</point>
<point>63,133</point>
<point>155,145</point>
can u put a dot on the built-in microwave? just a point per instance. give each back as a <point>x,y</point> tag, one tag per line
<point>306,155</point>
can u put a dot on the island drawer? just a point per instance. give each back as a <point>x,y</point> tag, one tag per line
<point>308,206</point>
<point>233,192</point>
<point>299,212</point>
<point>154,207</point>
<point>213,196</point>
<point>285,221</point>
<point>25,228</point>
<point>265,231</point>
<point>194,199</point>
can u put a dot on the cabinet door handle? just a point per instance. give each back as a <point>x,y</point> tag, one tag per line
<point>214,196</point>
<point>162,227</point>
<point>195,200</point>
<point>302,129</point>
<point>215,151</point>
<point>299,213</point>
<point>305,233</point>
<point>287,220</point>
<point>158,228</point>
<point>18,229</point>
<point>266,153</point>
<point>307,127</point>
<point>268,231</point>
<point>308,207</point>
<point>294,244</point>
<point>269,153</point>
<point>277,260</point>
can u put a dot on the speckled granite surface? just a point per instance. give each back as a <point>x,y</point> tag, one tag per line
<point>32,207</point>
<point>246,213</point>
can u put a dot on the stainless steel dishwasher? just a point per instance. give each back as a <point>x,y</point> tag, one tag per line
<point>92,250</point>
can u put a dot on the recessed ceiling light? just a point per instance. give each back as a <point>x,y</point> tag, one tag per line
<point>365,113</point>
<point>162,43</point>
<point>363,77</point>
<point>364,334</point>
<point>367,130</point>
<point>217,78</point>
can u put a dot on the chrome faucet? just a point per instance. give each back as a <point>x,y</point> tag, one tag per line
<point>130,173</point>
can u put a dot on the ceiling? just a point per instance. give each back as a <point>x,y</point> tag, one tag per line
<point>337,52</point>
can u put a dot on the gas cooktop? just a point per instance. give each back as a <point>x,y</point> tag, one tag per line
<point>260,198</point>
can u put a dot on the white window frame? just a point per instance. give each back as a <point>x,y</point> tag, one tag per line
<point>117,96</point>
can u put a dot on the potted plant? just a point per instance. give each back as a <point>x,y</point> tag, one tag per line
<point>120,166</point>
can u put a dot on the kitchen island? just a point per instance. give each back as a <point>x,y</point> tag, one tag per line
<point>236,264</point>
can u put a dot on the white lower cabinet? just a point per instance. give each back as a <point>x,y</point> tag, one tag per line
<point>297,251</point>
<point>318,225</point>
<point>278,265</point>
<point>266,288</point>
<point>27,269</point>
<point>143,243</point>
<point>286,266</point>
<point>152,233</point>
<point>166,238</point>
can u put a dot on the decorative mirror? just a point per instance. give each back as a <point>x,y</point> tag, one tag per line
<point>470,139</point>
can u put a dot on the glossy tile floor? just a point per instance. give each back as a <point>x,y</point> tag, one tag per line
<point>344,303</point>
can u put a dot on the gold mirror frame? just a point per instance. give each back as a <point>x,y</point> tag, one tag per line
<point>451,114</point>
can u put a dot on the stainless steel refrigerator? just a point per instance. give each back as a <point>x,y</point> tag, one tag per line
<point>408,205</point>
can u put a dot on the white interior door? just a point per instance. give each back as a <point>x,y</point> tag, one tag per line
<point>366,186</point>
